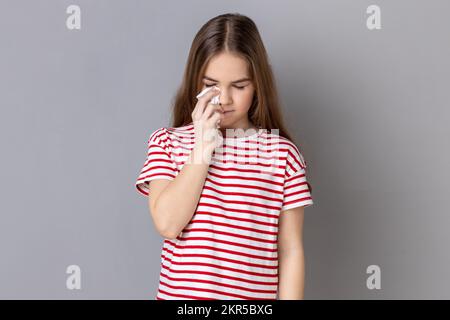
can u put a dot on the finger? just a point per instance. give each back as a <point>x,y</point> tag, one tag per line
<point>211,109</point>
<point>198,105</point>
<point>205,99</point>
<point>214,120</point>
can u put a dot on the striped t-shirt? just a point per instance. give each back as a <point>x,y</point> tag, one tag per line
<point>228,250</point>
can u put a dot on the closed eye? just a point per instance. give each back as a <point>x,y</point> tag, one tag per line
<point>237,87</point>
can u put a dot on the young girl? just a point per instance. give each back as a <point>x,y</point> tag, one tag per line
<point>226,184</point>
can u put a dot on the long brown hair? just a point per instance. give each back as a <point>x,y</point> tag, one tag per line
<point>234,33</point>
<point>237,34</point>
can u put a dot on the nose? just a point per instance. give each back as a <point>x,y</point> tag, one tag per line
<point>225,97</point>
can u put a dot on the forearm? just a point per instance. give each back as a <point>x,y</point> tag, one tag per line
<point>291,269</point>
<point>176,204</point>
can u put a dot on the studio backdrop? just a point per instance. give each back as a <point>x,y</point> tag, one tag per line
<point>364,87</point>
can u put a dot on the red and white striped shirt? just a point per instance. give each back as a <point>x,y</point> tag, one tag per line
<point>228,250</point>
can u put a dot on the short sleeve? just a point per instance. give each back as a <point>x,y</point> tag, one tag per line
<point>158,164</point>
<point>296,192</point>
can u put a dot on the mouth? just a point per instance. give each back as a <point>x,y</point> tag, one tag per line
<point>227,111</point>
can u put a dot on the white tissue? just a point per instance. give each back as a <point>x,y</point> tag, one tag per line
<point>214,100</point>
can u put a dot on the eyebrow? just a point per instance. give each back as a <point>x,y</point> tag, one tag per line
<point>237,81</point>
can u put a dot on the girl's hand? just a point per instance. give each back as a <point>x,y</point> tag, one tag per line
<point>206,118</point>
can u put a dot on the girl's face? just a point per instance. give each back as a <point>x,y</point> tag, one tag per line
<point>230,73</point>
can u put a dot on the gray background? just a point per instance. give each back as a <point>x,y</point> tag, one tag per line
<point>368,108</point>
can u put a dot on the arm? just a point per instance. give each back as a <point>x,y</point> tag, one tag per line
<point>291,266</point>
<point>172,203</point>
